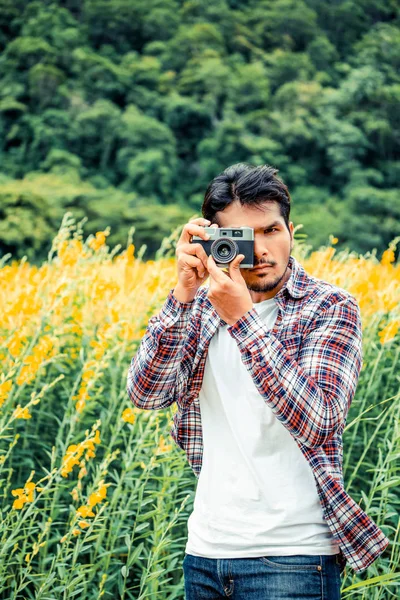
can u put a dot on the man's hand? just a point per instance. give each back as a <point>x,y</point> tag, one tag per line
<point>228,293</point>
<point>191,260</point>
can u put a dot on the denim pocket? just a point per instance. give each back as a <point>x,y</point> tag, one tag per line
<point>295,562</point>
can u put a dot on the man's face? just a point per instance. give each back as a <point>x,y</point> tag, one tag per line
<point>273,243</point>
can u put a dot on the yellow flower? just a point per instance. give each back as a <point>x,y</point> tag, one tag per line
<point>98,241</point>
<point>22,413</point>
<point>25,494</point>
<point>44,350</point>
<point>130,251</point>
<point>387,257</point>
<point>85,511</point>
<point>162,446</point>
<point>15,345</point>
<point>18,504</point>
<point>82,472</point>
<point>128,415</point>
<point>76,532</point>
<point>388,333</point>
<point>98,496</point>
<point>5,388</point>
<point>69,252</point>
<point>94,499</point>
<point>74,453</point>
<point>29,489</point>
<point>83,524</point>
<point>69,461</point>
<point>80,405</point>
<point>87,375</point>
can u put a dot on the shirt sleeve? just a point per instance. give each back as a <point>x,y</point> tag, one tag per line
<point>157,374</point>
<point>311,395</point>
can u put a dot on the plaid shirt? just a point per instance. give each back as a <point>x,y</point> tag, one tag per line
<point>305,368</point>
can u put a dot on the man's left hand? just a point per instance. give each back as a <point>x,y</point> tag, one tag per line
<point>228,292</point>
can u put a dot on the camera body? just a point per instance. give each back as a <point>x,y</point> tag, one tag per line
<point>226,243</point>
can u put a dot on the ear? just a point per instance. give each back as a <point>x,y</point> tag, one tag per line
<point>291,229</point>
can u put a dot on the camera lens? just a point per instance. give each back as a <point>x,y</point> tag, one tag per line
<point>224,251</point>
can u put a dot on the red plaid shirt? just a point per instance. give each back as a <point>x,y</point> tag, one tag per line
<point>306,369</point>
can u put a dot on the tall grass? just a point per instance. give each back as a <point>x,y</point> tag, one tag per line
<point>94,495</point>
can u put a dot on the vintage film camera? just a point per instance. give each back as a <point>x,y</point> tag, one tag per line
<point>226,243</point>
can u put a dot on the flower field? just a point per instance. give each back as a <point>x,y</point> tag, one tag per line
<point>94,494</point>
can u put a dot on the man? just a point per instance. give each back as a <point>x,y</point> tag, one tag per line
<point>263,365</point>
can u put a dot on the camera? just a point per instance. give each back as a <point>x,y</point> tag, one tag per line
<point>226,243</point>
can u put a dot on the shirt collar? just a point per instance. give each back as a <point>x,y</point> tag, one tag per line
<point>298,282</point>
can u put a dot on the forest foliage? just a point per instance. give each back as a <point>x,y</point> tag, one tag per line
<point>123,111</point>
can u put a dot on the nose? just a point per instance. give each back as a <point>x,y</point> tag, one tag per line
<point>260,250</point>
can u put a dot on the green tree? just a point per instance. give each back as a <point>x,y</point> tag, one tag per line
<point>380,222</point>
<point>26,224</point>
<point>94,135</point>
<point>148,146</point>
<point>191,42</point>
<point>188,120</point>
<point>288,23</point>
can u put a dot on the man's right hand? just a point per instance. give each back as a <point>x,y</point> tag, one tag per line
<point>192,260</point>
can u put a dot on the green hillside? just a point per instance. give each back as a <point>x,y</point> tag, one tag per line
<point>123,111</point>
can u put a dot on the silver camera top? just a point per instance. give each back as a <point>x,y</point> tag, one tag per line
<point>240,233</point>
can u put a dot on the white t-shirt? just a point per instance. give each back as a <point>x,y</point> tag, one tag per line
<point>256,494</point>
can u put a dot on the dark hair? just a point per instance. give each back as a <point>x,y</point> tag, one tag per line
<point>249,185</point>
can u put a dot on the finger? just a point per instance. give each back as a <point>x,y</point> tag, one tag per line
<point>215,272</point>
<point>193,250</point>
<point>196,263</point>
<point>191,229</point>
<point>234,269</point>
<point>200,221</point>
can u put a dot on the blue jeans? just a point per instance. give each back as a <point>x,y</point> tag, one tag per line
<point>305,577</point>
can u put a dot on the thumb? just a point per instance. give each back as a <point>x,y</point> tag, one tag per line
<point>234,268</point>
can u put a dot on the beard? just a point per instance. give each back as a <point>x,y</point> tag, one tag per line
<point>266,286</point>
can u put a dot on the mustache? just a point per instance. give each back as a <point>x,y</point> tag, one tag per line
<point>257,264</point>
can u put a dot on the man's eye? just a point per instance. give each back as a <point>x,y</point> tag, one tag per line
<point>271,229</point>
